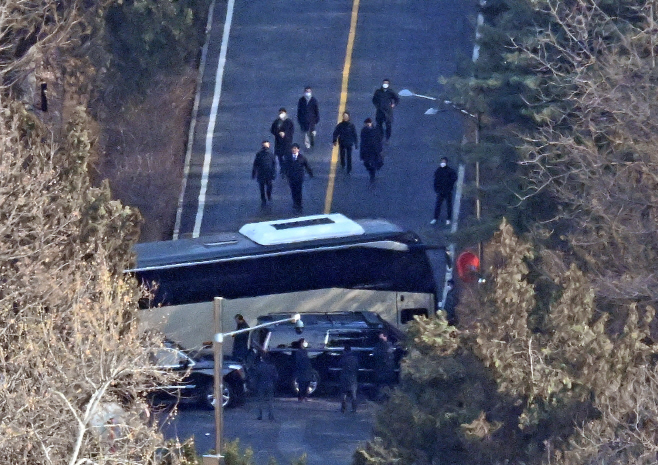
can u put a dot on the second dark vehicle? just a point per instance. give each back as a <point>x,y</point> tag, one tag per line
<point>326,335</point>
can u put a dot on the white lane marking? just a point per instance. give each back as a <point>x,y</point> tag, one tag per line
<point>195,112</point>
<point>219,77</point>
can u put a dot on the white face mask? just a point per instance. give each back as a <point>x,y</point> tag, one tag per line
<point>308,95</point>
<point>385,85</point>
<point>282,115</point>
<point>304,344</point>
<point>443,164</point>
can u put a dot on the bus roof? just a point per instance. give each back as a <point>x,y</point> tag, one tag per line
<point>300,233</point>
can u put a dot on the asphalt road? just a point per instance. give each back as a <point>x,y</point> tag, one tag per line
<point>275,48</point>
<point>315,428</point>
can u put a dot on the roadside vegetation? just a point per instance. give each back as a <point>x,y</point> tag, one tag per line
<point>553,360</point>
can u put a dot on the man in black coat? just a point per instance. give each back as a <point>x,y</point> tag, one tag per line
<point>297,164</point>
<point>308,115</point>
<point>282,129</point>
<point>266,379</point>
<point>303,369</point>
<point>444,181</point>
<point>240,341</point>
<point>384,358</point>
<point>371,148</point>
<point>345,136</point>
<point>349,370</point>
<point>384,100</point>
<point>264,170</point>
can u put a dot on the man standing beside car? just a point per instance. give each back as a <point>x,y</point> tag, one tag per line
<point>349,370</point>
<point>240,341</point>
<point>303,369</point>
<point>383,354</point>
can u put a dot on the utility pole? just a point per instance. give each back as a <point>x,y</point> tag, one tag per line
<point>218,349</point>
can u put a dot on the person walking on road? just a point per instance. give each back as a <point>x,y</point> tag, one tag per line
<point>371,148</point>
<point>384,359</point>
<point>303,369</point>
<point>282,129</point>
<point>266,379</point>
<point>349,369</point>
<point>240,341</point>
<point>345,136</point>
<point>308,116</point>
<point>297,164</point>
<point>444,182</point>
<point>264,170</point>
<point>384,100</point>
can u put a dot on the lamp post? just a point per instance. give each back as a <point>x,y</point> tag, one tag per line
<point>218,345</point>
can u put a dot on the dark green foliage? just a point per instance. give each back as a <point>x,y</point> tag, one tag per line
<point>149,37</point>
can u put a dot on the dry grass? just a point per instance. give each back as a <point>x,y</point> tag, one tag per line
<point>143,152</point>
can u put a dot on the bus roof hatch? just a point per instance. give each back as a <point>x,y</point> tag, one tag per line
<point>301,229</point>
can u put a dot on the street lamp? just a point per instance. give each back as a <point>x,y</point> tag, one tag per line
<point>218,343</point>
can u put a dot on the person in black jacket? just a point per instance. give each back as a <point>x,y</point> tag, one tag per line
<point>240,341</point>
<point>303,369</point>
<point>266,379</point>
<point>264,170</point>
<point>308,116</point>
<point>384,100</point>
<point>345,136</point>
<point>371,148</point>
<point>282,129</point>
<point>444,181</point>
<point>297,164</point>
<point>384,358</point>
<point>349,369</point>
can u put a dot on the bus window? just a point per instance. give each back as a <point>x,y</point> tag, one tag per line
<point>408,314</point>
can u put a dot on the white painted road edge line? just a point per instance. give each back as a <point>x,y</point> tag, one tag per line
<point>219,77</point>
<point>195,112</point>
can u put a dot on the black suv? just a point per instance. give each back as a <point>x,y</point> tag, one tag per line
<point>197,371</point>
<point>326,335</point>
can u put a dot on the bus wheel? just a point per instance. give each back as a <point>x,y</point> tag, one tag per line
<point>313,385</point>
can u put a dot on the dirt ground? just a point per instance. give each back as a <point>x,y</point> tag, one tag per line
<point>142,148</point>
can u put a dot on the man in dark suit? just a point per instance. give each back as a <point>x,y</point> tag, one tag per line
<point>297,164</point>
<point>308,115</point>
<point>282,129</point>
<point>345,136</point>
<point>371,148</point>
<point>349,370</point>
<point>384,100</point>
<point>444,182</point>
<point>264,170</point>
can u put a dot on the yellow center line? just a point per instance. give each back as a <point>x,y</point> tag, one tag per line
<point>341,106</point>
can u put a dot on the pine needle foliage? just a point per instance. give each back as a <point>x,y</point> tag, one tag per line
<point>532,379</point>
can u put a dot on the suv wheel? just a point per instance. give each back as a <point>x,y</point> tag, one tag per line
<point>207,395</point>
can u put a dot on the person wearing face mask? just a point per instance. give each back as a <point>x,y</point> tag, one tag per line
<point>297,164</point>
<point>371,148</point>
<point>308,116</point>
<point>444,182</point>
<point>282,129</point>
<point>384,100</point>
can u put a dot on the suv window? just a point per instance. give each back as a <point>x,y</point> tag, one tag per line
<point>338,338</point>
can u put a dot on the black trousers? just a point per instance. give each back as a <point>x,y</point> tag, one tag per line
<point>296,191</point>
<point>384,119</point>
<point>265,190</point>
<point>440,197</point>
<point>345,152</point>
<point>265,397</point>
